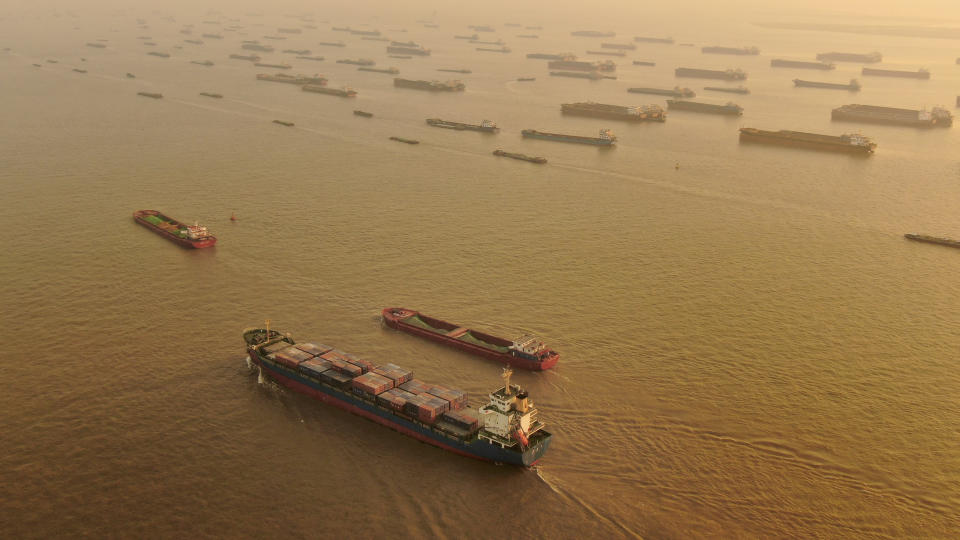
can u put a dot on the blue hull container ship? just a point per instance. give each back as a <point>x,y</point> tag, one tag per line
<point>505,430</point>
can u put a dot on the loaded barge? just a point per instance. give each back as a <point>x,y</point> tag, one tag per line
<point>675,92</point>
<point>505,430</point>
<point>606,138</point>
<point>193,236</point>
<point>727,74</point>
<point>918,74</point>
<point>643,113</point>
<point>933,240</point>
<point>522,157</point>
<point>853,85</point>
<point>485,126</point>
<point>432,86</point>
<point>935,117</point>
<point>853,143</point>
<point>868,58</point>
<point>800,64</point>
<point>525,353</point>
<point>729,109</point>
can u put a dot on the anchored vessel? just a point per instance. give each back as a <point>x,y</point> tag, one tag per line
<point>675,92</point>
<point>505,430</point>
<point>364,114</point>
<point>933,240</point>
<point>342,92</point>
<point>433,86</point>
<point>417,51</point>
<point>619,46</point>
<point>256,47</point>
<point>389,70</point>
<point>357,62</point>
<point>592,33</point>
<point>727,74</point>
<point>743,51</point>
<point>643,113</point>
<point>274,66</point>
<point>403,140</point>
<point>935,117</point>
<point>579,65</point>
<point>592,75</point>
<point>332,43</point>
<point>206,63</point>
<point>729,108</point>
<point>868,58</point>
<point>854,143</point>
<point>154,95</point>
<point>548,56</point>
<point>211,95</point>
<point>853,85</point>
<point>485,126</point>
<point>159,54</point>
<point>283,123</point>
<point>778,62</point>
<point>292,79</point>
<point>606,138</point>
<point>524,353</point>
<point>918,74</point>
<point>194,236</point>
<point>729,90</point>
<point>643,39</point>
<point>643,63</point>
<point>523,157</point>
<point>454,70</point>
<point>608,53</point>
<point>251,57</point>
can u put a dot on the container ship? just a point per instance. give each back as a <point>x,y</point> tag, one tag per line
<point>936,117</point>
<point>695,106</point>
<point>592,33</point>
<point>522,157</point>
<point>868,58</point>
<point>853,143</point>
<point>619,46</point>
<point>742,51</point>
<point>390,70</point>
<point>485,126</point>
<point>676,91</point>
<point>548,56</point>
<point>416,51</point>
<point>918,74</point>
<point>644,39</point>
<point>432,86</point>
<point>505,430</point>
<point>800,64</point>
<point>932,240</point>
<point>643,113</point>
<point>606,138</point>
<point>728,89</point>
<point>292,79</point>
<point>579,65</point>
<point>726,74</point>
<point>853,85</point>
<point>192,236</point>
<point>317,89</point>
<point>524,353</point>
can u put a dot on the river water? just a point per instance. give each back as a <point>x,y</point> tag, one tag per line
<point>749,347</point>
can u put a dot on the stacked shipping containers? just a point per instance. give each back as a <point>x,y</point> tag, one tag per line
<point>371,384</point>
<point>313,348</point>
<point>315,366</point>
<point>456,398</point>
<point>398,374</point>
<point>394,398</point>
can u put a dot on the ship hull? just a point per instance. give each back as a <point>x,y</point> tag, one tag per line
<point>210,241</point>
<point>825,145</point>
<point>595,141</point>
<point>461,126</point>
<point>845,116</point>
<point>933,240</point>
<point>833,86</point>
<point>704,108</point>
<point>346,401</point>
<point>399,323</point>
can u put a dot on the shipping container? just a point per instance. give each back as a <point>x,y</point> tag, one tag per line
<point>340,363</point>
<point>313,348</point>
<point>412,406</point>
<point>416,386</point>
<point>371,384</point>
<point>465,418</point>
<point>335,378</point>
<point>398,374</point>
<point>315,366</point>
<point>296,354</point>
<point>456,398</point>
<point>394,398</point>
<point>283,357</point>
<point>363,364</point>
<point>275,347</point>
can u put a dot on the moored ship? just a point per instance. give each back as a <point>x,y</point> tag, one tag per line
<point>256,47</point>
<point>676,91</point>
<point>524,353</point>
<point>273,66</point>
<point>448,70</point>
<point>933,240</point>
<point>606,138</point>
<point>389,70</point>
<point>550,56</point>
<point>868,58</point>
<point>332,43</point>
<point>505,430</point>
<point>205,63</point>
<point>592,75</point>
<point>644,39</point>
<point>154,95</point>
<point>918,74</point>
<point>193,236</point>
<point>356,62</point>
<point>490,49</point>
<point>416,51</point>
<point>853,85</point>
<point>619,46</point>
<point>607,53</point>
<point>211,95</point>
<point>579,65</point>
<point>935,117</point>
<point>742,51</point>
<point>341,92</point>
<point>292,79</point>
<point>485,126</point>
<point>725,74</point>
<point>643,113</point>
<point>522,157</point>
<point>728,89</point>
<point>695,106</point>
<point>802,64</point>
<point>432,86</point>
<point>853,143</point>
<point>248,57</point>
<point>592,33</point>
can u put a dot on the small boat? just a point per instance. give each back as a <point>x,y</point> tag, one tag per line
<point>154,95</point>
<point>78,70</point>
<point>523,157</point>
<point>131,76</point>
<point>211,95</point>
<point>526,79</point>
<point>282,123</point>
<point>401,139</point>
<point>643,63</point>
<point>364,114</point>
<point>207,63</point>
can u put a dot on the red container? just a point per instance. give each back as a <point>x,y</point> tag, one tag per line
<point>315,366</point>
<point>465,419</point>
<point>339,362</point>
<point>297,354</point>
<point>394,398</point>
<point>313,349</point>
<point>372,384</point>
<point>363,364</point>
<point>286,359</point>
<point>395,372</point>
<point>456,398</point>
<point>416,386</point>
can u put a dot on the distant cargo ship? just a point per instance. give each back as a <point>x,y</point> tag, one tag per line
<point>742,51</point>
<point>936,117</point>
<point>432,86</point>
<point>96,45</point>
<point>332,43</point>
<point>490,49</point>
<point>292,79</point>
<point>524,353</point>
<point>918,74</point>
<point>548,56</point>
<point>729,109</point>
<point>644,39</point>
<point>206,63</point>
<point>868,58</point>
<point>390,70</point>
<point>273,66</point>
<point>932,240</point>
<point>676,91</point>
<point>523,157</point>
<point>727,74</point>
<point>251,58</point>
<point>800,64</point>
<point>154,95</point>
<point>211,95</point>
<point>364,114</point>
<point>728,89</point>
<point>256,47</point>
<point>853,85</point>
<point>192,236</point>
<point>283,123</point>
<point>403,140</point>
<point>481,42</point>
<point>297,51</point>
<point>317,89</point>
<point>643,113</point>
<point>364,32</point>
<point>593,75</point>
<point>579,65</point>
<point>158,54</point>
<point>455,70</point>
<point>606,138</point>
<point>505,430</point>
<point>592,33</point>
<point>619,46</point>
<point>314,58</point>
<point>470,37</point>
<point>416,51</point>
<point>853,143</point>
<point>485,126</point>
<point>357,62</point>
<point>643,63</point>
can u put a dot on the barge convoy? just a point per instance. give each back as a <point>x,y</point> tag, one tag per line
<point>525,353</point>
<point>726,74</point>
<point>932,240</point>
<point>507,429</point>
<point>731,109</point>
<point>192,236</point>
<point>485,126</point>
<point>643,113</point>
<point>853,85</point>
<point>935,117</point>
<point>606,138</point>
<point>852,143</point>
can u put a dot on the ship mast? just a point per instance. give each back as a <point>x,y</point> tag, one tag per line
<point>507,372</point>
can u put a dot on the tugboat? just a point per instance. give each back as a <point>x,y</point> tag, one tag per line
<point>193,236</point>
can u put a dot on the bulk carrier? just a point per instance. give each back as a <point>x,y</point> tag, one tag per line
<point>853,85</point>
<point>485,126</point>
<point>918,74</point>
<point>935,117</point>
<point>800,64</point>
<point>505,430</point>
<point>606,138</point>
<point>729,109</point>
<point>644,39</point>
<point>642,113</point>
<point>853,143</point>
<point>192,236</point>
<point>432,86</point>
<point>525,353</point>
<point>868,58</point>
<point>726,74</point>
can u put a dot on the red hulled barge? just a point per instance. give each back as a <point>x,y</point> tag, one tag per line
<point>191,236</point>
